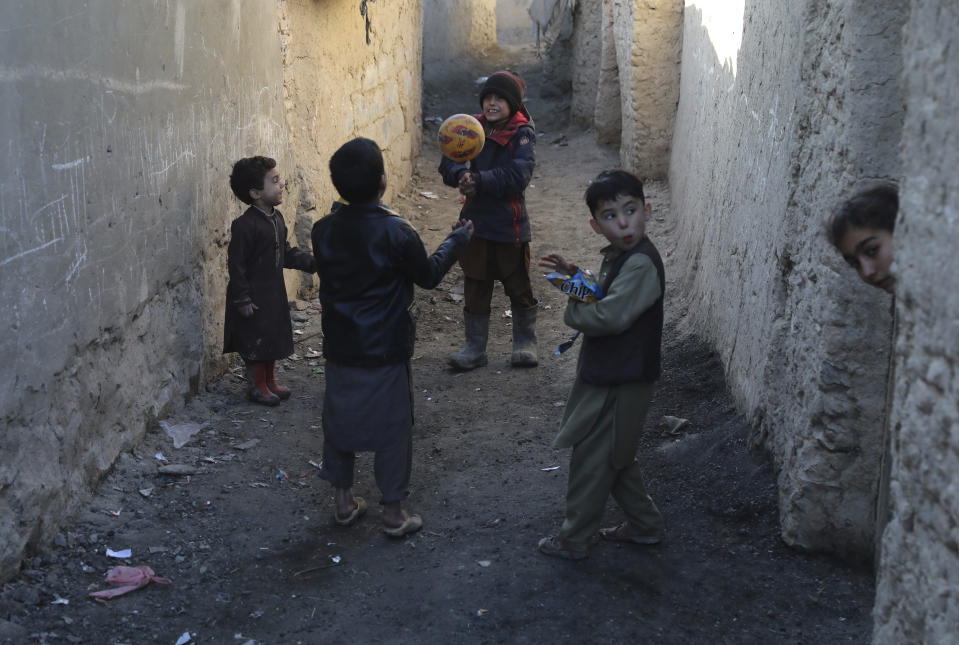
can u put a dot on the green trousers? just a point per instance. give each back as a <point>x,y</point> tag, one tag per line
<point>604,463</point>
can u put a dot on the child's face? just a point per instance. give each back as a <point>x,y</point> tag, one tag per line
<point>495,108</point>
<point>272,192</point>
<point>622,221</point>
<point>869,252</point>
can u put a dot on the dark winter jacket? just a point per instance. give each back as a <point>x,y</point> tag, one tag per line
<point>257,254</point>
<point>368,259</point>
<point>502,172</point>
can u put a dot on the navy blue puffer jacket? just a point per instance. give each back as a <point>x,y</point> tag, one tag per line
<point>502,172</point>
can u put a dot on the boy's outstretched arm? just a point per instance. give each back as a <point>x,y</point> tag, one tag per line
<point>427,271</point>
<point>295,258</point>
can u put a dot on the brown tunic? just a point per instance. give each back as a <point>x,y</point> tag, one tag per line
<point>257,254</point>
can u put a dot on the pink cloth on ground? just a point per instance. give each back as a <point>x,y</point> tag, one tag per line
<point>127,579</point>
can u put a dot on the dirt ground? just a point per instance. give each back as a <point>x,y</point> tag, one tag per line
<point>254,558</point>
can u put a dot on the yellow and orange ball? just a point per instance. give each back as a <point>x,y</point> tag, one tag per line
<point>461,137</point>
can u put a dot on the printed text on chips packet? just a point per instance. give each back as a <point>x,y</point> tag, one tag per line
<point>581,285</point>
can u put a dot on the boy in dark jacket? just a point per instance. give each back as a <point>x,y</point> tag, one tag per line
<point>618,363</point>
<point>493,186</point>
<point>368,261</point>
<point>257,322</point>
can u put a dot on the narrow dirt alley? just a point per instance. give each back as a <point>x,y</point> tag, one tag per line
<point>249,545</point>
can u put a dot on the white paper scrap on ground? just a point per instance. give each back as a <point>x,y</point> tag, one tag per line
<point>123,554</point>
<point>182,432</point>
<point>673,424</point>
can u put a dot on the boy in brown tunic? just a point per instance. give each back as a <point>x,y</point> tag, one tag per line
<point>618,363</point>
<point>257,322</point>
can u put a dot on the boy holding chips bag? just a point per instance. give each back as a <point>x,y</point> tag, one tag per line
<point>618,364</point>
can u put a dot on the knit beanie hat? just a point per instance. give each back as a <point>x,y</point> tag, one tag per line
<point>508,85</point>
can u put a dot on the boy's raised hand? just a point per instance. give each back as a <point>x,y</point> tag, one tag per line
<point>555,262</point>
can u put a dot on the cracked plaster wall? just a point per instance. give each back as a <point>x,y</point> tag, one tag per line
<point>336,86</point>
<point>115,205</point>
<point>917,595</point>
<point>776,124</point>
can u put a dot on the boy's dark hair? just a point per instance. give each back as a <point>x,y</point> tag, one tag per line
<point>609,185</point>
<point>875,206</point>
<point>356,170</point>
<point>248,174</point>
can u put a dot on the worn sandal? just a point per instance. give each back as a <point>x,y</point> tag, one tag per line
<point>411,524</point>
<point>625,533</point>
<point>552,545</point>
<point>355,514</point>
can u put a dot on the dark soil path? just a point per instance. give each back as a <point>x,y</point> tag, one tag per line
<point>248,540</point>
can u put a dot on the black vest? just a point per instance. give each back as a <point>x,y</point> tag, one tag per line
<point>635,354</point>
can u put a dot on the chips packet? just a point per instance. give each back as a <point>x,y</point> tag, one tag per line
<point>581,285</point>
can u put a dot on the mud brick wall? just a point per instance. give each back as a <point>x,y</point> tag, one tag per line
<point>513,24</point>
<point>347,75</point>
<point>608,113</point>
<point>586,50</point>
<point>917,596</point>
<point>121,124</point>
<point>783,108</point>
<point>648,43</point>
<point>625,60</point>
<point>456,28</point>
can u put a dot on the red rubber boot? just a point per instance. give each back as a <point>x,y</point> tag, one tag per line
<point>275,388</point>
<point>256,389</point>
